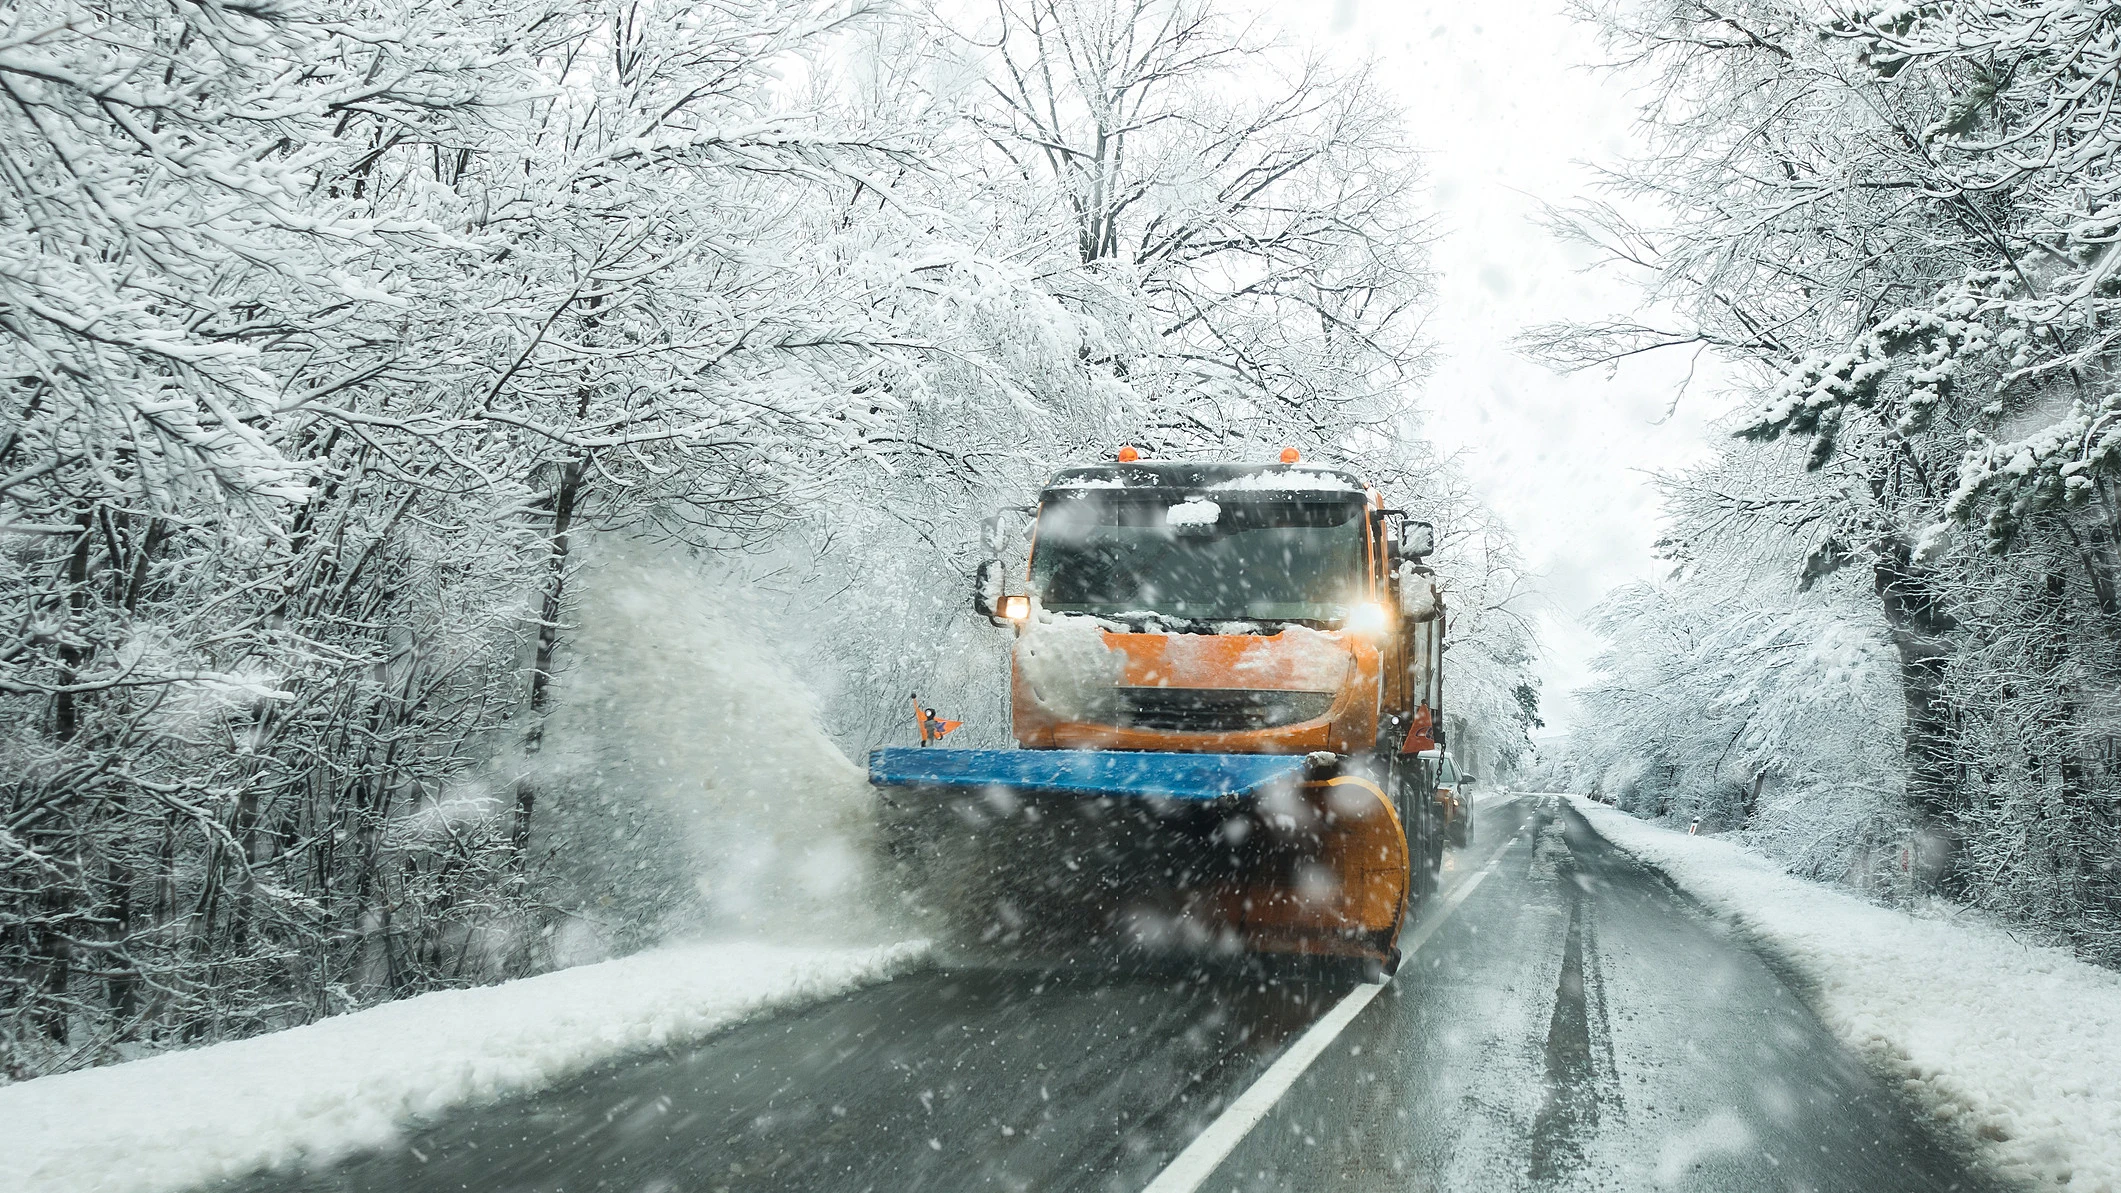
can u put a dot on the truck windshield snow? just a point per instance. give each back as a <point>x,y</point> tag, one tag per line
<point>1206,559</point>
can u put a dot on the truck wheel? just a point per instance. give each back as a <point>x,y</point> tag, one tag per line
<point>1425,856</point>
<point>1417,873</point>
<point>1434,877</point>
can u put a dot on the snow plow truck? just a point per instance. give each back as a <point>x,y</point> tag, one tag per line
<point>1226,695</point>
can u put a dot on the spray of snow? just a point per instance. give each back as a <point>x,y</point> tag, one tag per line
<point>696,793</point>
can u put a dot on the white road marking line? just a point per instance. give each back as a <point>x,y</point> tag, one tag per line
<point>1208,1150</point>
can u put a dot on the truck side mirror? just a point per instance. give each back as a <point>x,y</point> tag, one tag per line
<point>1417,540</point>
<point>987,588</point>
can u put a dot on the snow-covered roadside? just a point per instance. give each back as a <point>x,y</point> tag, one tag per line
<point>348,1083</point>
<point>2018,1046</point>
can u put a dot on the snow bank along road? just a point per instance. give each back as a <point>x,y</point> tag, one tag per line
<point>2019,1046</point>
<point>1572,1023</point>
<point>344,1084</point>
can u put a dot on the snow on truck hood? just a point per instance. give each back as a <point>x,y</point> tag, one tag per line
<point>1073,662</point>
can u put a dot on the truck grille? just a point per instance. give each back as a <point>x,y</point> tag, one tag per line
<point>1212,710</point>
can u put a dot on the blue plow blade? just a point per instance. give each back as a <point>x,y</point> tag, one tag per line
<point>1108,773</point>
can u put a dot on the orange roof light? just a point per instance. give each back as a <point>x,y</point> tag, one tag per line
<point>1127,454</point>
<point>1290,455</point>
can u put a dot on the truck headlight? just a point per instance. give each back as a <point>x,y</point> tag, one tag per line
<point>1016,608</point>
<point>1368,617</point>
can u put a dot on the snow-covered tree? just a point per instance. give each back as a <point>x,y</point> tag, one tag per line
<point>1895,219</point>
<point>323,335</point>
<point>1258,200</point>
<point>243,637</point>
<point>1736,694</point>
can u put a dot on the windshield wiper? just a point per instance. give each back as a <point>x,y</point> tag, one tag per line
<point>1147,620</point>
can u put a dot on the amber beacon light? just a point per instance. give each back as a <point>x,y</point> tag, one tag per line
<point>1290,455</point>
<point>1128,455</point>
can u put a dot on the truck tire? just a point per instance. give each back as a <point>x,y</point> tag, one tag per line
<point>1431,857</point>
<point>1462,827</point>
<point>1417,818</point>
<point>1424,861</point>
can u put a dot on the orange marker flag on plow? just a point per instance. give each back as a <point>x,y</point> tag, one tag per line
<point>1421,734</point>
<point>932,727</point>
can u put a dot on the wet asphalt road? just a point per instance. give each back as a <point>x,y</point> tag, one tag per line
<point>1573,1024</point>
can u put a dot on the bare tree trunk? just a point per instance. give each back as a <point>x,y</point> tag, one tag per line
<point>65,714</point>
<point>62,899</point>
<point>244,829</point>
<point>563,508</point>
<point>123,986</point>
<point>1921,633</point>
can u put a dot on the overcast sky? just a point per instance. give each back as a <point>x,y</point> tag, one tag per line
<point>1500,96</point>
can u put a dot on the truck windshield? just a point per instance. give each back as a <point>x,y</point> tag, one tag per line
<point>1207,558</point>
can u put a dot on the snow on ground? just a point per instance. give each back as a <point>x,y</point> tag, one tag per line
<point>2017,1046</point>
<point>348,1083</point>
